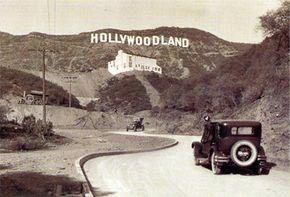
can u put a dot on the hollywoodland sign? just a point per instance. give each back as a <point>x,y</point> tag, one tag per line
<point>139,40</point>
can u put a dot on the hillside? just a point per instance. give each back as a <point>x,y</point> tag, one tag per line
<point>124,94</point>
<point>76,53</point>
<point>84,85</point>
<point>15,82</point>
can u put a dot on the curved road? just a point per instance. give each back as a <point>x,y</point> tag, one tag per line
<point>171,173</point>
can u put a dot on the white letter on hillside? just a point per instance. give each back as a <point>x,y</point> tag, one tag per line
<point>103,37</point>
<point>110,38</point>
<point>155,40</point>
<point>131,40</point>
<point>139,40</point>
<point>123,38</point>
<point>117,38</point>
<point>94,38</point>
<point>185,42</point>
<point>147,41</point>
<point>171,41</point>
<point>163,42</point>
<point>178,42</point>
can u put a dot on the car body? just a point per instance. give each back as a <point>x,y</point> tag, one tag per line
<point>136,124</point>
<point>231,142</point>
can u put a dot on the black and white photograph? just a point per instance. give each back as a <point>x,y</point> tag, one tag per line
<point>144,98</point>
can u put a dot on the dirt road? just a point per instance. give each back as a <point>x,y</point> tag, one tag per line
<point>171,172</point>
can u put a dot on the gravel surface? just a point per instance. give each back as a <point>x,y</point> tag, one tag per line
<point>59,160</point>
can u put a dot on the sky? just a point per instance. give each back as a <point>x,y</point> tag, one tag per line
<point>232,20</point>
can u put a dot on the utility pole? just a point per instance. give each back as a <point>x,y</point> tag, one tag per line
<point>43,51</point>
<point>70,80</point>
<point>43,90</point>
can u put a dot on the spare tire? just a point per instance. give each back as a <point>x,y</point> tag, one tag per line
<point>244,153</point>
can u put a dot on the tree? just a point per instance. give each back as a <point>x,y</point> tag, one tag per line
<point>276,21</point>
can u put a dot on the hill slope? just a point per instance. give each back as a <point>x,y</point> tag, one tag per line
<point>14,82</point>
<point>76,53</point>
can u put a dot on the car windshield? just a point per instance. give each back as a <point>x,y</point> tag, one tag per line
<point>242,130</point>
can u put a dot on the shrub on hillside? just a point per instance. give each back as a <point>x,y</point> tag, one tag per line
<point>91,106</point>
<point>160,83</point>
<point>31,126</point>
<point>28,124</point>
<point>127,95</point>
<point>276,21</point>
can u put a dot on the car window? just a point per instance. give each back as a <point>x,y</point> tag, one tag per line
<point>242,131</point>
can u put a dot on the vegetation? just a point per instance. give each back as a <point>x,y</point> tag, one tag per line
<point>76,54</point>
<point>28,135</point>
<point>33,127</point>
<point>127,95</point>
<point>242,80</point>
<point>276,21</point>
<point>15,82</point>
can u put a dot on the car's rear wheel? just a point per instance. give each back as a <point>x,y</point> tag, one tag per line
<point>214,167</point>
<point>244,153</point>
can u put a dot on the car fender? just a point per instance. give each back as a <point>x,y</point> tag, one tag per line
<point>261,151</point>
<point>195,144</point>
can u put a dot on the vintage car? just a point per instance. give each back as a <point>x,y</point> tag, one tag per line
<point>231,142</point>
<point>136,124</point>
<point>33,98</point>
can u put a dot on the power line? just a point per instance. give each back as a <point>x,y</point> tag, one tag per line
<point>54,22</point>
<point>48,15</point>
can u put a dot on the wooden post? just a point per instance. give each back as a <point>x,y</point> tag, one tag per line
<point>70,80</point>
<point>58,191</point>
<point>69,93</point>
<point>43,90</point>
<point>43,83</point>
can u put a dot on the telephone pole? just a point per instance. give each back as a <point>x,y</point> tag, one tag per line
<point>70,80</point>
<point>43,90</point>
<point>43,51</point>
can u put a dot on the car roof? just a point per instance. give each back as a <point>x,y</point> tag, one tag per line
<point>237,122</point>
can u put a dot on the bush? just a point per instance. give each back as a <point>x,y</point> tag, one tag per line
<point>91,106</point>
<point>28,124</point>
<point>31,126</point>
<point>127,95</point>
<point>276,21</point>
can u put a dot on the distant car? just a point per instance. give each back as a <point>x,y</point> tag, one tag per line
<point>33,98</point>
<point>231,142</point>
<point>136,124</point>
